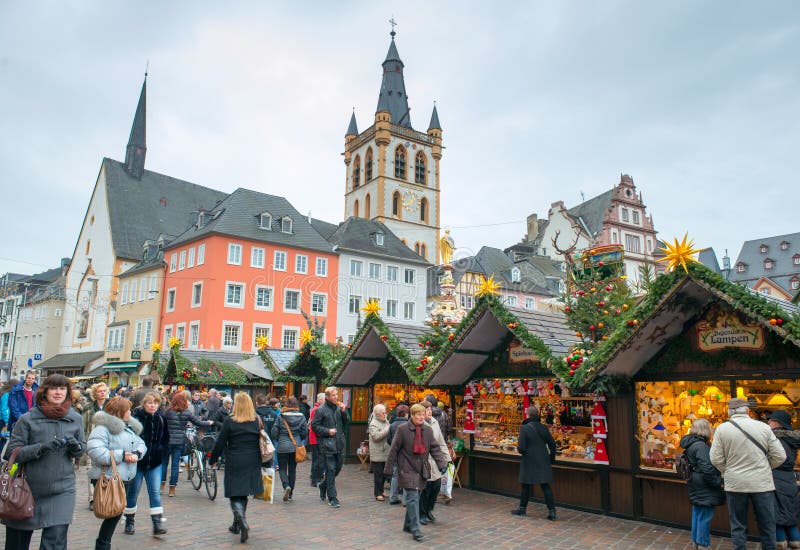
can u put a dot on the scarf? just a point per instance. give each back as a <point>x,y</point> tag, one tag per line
<point>54,412</point>
<point>419,445</point>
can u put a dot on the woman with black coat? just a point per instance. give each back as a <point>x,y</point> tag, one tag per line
<point>538,450</point>
<point>177,416</point>
<point>290,419</point>
<point>787,535</point>
<point>239,440</point>
<point>705,485</point>
<point>156,436</point>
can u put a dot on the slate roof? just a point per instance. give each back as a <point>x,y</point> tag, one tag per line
<point>708,258</point>
<point>392,96</point>
<point>358,235</point>
<point>784,268</point>
<point>139,209</point>
<point>352,128</point>
<point>408,336</point>
<point>434,124</point>
<point>80,359</point>
<point>239,215</point>
<point>550,327</point>
<point>489,260</point>
<point>324,228</point>
<point>592,212</point>
<point>281,357</point>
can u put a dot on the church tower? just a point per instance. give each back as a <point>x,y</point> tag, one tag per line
<point>392,170</point>
<point>137,148</point>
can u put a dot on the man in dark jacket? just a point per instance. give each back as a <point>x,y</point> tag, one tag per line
<point>439,415</point>
<point>538,450</point>
<point>400,418</point>
<point>198,406</point>
<point>329,423</point>
<point>147,387</point>
<point>21,398</point>
<point>412,444</point>
<point>304,407</point>
<point>213,403</point>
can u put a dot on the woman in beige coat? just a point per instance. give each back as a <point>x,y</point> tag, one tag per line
<point>378,448</point>
<point>427,500</point>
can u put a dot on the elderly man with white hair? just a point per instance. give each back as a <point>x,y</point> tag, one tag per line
<point>745,451</point>
<point>378,448</point>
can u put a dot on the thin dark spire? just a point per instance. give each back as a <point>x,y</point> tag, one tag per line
<point>137,143</point>
<point>434,125</point>
<point>352,129</point>
<point>392,96</point>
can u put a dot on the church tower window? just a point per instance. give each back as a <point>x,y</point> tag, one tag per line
<point>419,168</point>
<point>423,210</point>
<point>400,162</point>
<point>368,165</point>
<point>357,172</point>
<point>355,209</point>
<point>367,206</point>
<point>397,203</point>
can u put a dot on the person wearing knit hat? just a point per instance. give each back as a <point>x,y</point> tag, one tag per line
<point>787,534</point>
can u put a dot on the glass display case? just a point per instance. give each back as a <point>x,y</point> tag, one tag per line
<point>392,394</point>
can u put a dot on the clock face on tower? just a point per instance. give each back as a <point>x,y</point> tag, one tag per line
<point>411,201</point>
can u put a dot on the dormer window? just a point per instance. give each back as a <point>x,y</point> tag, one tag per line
<point>200,218</point>
<point>785,245</point>
<point>286,225</point>
<point>769,264</point>
<point>796,259</point>
<point>741,268</point>
<point>266,221</point>
<point>763,249</point>
<point>794,283</point>
<point>379,239</point>
<point>516,276</point>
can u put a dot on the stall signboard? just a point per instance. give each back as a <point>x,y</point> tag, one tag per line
<point>517,353</point>
<point>729,332</point>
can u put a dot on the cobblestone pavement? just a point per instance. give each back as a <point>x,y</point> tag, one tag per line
<point>473,519</point>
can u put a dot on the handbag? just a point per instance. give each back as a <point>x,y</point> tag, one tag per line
<point>268,484</point>
<point>264,443</point>
<point>299,450</point>
<point>109,493</point>
<point>16,499</point>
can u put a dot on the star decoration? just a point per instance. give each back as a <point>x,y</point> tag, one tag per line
<point>306,337</point>
<point>156,346</point>
<point>372,307</point>
<point>488,287</point>
<point>173,342</point>
<point>262,342</point>
<point>679,253</point>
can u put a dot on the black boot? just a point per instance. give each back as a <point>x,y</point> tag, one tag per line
<point>551,514</point>
<point>519,511</point>
<point>158,526</point>
<point>239,507</point>
<point>129,527</point>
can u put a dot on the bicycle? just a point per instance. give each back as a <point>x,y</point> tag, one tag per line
<point>199,471</point>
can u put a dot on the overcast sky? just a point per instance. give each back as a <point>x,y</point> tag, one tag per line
<point>539,102</point>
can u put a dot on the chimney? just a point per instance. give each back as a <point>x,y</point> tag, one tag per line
<point>533,228</point>
<point>726,261</point>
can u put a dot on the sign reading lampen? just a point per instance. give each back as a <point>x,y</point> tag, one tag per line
<point>519,354</point>
<point>730,334</point>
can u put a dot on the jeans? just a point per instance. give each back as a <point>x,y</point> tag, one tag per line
<point>53,538</point>
<point>763,506</point>
<point>394,490</point>
<point>317,464</point>
<point>378,479</point>
<point>288,469</point>
<point>701,524</point>
<point>525,495</point>
<point>787,532</point>
<point>152,478</point>
<point>411,521</point>
<point>173,456</point>
<point>333,465</point>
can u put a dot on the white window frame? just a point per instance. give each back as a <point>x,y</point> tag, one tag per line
<point>257,251</point>
<point>167,335</point>
<point>794,284</point>
<point>190,258</point>
<point>356,268</point>
<point>238,346</point>
<point>257,326</point>
<point>511,301</point>
<point>174,292</point>
<point>357,309</point>
<point>467,302</point>
<point>516,275</point>
<point>633,239</point>
<point>137,335</point>
<point>321,263</point>
<point>180,333</point>
<point>374,271</point>
<point>234,254</point>
<point>182,260</point>
<point>173,263</point>
<point>406,307</point>
<point>152,289</point>
<point>147,335</point>
<point>324,296</point>
<point>201,254</point>
<point>265,216</point>
<point>796,260</point>
<point>286,225</point>
<point>199,302</point>
<point>240,284</point>
<point>276,265</point>
<point>301,259</point>
<point>142,289</point>
<point>530,303</point>
<point>392,273</point>
<point>413,273</point>
<point>741,268</point>
<point>379,239</point>
<point>271,305</point>
<point>635,217</point>
<point>194,343</point>
<point>296,330</point>
<point>134,287</point>
<point>625,216</point>
<point>299,300</point>
<point>123,298</point>
<point>391,309</point>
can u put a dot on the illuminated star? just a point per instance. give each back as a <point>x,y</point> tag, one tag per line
<point>262,342</point>
<point>174,342</point>
<point>488,287</point>
<point>679,253</point>
<point>372,307</point>
<point>156,346</point>
<point>306,337</point>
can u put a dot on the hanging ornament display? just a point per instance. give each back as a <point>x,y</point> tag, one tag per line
<point>599,433</point>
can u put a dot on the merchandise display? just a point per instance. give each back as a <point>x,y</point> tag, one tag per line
<point>392,394</point>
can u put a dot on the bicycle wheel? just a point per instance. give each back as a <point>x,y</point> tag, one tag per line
<point>195,470</point>
<point>210,478</point>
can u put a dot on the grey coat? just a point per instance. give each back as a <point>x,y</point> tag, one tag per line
<point>110,433</point>
<point>298,425</point>
<point>51,475</point>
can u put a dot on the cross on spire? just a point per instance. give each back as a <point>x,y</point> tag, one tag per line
<point>393,23</point>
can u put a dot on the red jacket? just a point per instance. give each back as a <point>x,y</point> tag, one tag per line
<point>312,437</point>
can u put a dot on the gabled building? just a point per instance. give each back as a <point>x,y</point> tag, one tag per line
<point>392,170</point>
<point>129,205</point>
<point>248,268</point>
<point>770,266</point>
<point>374,264</point>
<point>12,296</point>
<point>617,216</point>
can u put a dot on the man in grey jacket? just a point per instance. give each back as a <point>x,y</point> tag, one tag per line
<point>745,451</point>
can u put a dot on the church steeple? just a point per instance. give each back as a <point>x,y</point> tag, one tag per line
<point>352,129</point>
<point>392,97</point>
<point>434,125</point>
<point>137,147</point>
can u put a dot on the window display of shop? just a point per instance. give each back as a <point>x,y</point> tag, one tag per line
<point>392,394</point>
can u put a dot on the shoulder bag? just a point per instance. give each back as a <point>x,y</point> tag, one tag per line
<point>264,443</point>
<point>299,450</point>
<point>109,493</point>
<point>16,499</point>
<point>751,438</point>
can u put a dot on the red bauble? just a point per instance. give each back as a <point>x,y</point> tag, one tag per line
<point>383,337</point>
<point>601,263</point>
<point>421,345</point>
<point>630,323</point>
<point>567,308</point>
<point>572,373</point>
<point>779,321</point>
<point>609,288</point>
<point>591,327</point>
<point>420,368</point>
<point>451,337</point>
<point>602,304</point>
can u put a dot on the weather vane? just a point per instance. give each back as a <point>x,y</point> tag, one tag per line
<point>393,23</point>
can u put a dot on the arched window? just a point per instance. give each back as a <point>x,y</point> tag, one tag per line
<point>367,206</point>
<point>419,168</point>
<point>416,248</point>
<point>357,172</point>
<point>423,210</point>
<point>355,209</point>
<point>368,165</point>
<point>397,204</point>
<point>400,162</point>
<point>405,242</point>
<point>423,250</point>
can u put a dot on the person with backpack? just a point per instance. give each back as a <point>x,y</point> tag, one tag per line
<point>703,481</point>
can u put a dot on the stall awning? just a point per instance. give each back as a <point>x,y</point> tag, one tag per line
<point>125,366</point>
<point>84,360</point>
<point>256,367</point>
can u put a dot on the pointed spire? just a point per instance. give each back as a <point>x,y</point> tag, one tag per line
<point>434,125</point>
<point>392,97</point>
<point>137,145</point>
<point>352,129</point>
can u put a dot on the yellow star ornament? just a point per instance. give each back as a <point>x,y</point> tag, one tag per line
<point>488,287</point>
<point>372,307</point>
<point>262,342</point>
<point>173,342</point>
<point>306,337</point>
<point>156,346</point>
<point>679,253</point>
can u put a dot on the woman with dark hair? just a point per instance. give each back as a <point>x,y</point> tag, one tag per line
<point>290,419</point>
<point>46,439</point>
<point>177,415</point>
<point>787,535</point>
<point>115,433</point>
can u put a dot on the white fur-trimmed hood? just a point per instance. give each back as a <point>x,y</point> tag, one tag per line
<point>114,424</point>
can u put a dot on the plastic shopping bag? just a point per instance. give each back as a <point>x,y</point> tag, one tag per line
<point>268,480</point>
<point>447,481</point>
